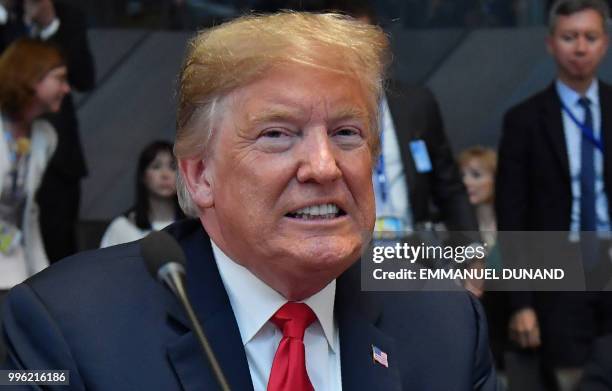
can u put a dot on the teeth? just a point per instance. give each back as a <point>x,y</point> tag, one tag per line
<point>323,210</point>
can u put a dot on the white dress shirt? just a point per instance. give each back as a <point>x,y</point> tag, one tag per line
<point>254,303</point>
<point>573,139</point>
<point>396,204</point>
<point>44,33</point>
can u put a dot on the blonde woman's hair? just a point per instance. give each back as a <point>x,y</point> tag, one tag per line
<point>487,156</point>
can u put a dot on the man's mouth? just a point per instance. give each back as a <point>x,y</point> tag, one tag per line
<point>316,212</point>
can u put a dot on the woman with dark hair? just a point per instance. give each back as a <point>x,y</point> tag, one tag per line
<point>32,83</point>
<point>156,203</point>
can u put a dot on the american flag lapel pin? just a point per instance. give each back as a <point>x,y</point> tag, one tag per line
<point>378,356</point>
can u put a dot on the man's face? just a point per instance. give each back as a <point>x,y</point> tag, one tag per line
<point>578,44</point>
<point>289,177</point>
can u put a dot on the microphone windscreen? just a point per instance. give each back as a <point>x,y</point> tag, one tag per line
<point>159,248</point>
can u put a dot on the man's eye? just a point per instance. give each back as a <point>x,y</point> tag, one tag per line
<point>274,133</point>
<point>592,38</point>
<point>346,132</point>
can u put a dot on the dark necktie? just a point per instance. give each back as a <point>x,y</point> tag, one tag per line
<point>588,217</point>
<point>289,366</point>
<point>587,173</point>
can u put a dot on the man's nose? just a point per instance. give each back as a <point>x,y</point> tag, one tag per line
<point>318,162</point>
<point>581,45</point>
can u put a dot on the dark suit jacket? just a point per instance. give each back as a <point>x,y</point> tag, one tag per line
<point>533,193</point>
<point>101,316</point>
<point>533,185</point>
<point>533,190</point>
<point>416,116</point>
<point>71,39</point>
<point>598,369</point>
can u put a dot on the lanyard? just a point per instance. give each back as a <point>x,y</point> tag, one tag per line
<point>587,132</point>
<point>381,176</point>
<point>9,145</point>
<point>19,162</point>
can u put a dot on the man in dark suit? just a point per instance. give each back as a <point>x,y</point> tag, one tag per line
<point>598,368</point>
<point>59,195</point>
<point>417,181</point>
<point>554,174</point>
<point>436,193</point>
<point>277,135</point>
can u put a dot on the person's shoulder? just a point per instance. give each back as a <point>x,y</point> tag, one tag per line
<point>111,271</point>
<point>121,230</point>
<point>605,88</point>
<point>428,325</point>
<point>44,136</point>
<point>43,129</point>
<point>532,104</point>
<point>452,306</point>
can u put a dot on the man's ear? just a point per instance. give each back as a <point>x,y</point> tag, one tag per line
<point>197,176</point>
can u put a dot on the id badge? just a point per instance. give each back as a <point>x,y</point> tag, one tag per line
<point>420,156</point>
<point>10,239</point>
<point>389,227</point>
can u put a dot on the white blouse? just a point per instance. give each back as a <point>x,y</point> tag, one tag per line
<point>123,230</point>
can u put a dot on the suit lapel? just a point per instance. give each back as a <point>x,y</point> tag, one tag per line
<point>357,316</point>
<point>553,125</point>
<point>214,311</point>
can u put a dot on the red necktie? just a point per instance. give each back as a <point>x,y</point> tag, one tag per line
<point>289,365</point>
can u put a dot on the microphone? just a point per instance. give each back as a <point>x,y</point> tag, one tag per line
<point>165,261</point>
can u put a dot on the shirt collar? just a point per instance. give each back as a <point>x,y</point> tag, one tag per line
<point>570,97</point>
<point>254,302</point>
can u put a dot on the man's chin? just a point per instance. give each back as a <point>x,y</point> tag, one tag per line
<point>328,254</point>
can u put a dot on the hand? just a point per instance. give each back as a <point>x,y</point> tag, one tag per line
<point>39,12</point>
<point>524,328</point>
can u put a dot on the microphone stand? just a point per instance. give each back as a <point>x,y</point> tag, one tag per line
<point>176,283</point>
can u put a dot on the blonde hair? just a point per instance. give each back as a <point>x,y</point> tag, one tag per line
<point>486,155</point>
<point>234,54</point>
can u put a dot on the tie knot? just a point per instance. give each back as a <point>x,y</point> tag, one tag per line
<point>584,102</point>
<point>293,319</point>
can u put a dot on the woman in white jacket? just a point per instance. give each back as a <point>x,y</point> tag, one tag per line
<point>33,82</point>
<point>156,205</point>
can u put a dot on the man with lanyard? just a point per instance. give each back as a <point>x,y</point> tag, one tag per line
<point>416,179</point>
<point>554,174</point>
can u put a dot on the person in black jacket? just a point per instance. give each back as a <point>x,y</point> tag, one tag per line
<point>59,195</point>
<point>598,369</point>
<point>548,171</point>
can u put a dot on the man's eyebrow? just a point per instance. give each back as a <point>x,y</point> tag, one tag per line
<point>286,113</point>
<point>349,112</point>
<point>273,114</point>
